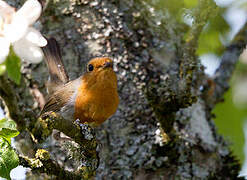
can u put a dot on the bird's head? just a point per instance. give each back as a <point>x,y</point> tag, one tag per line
<point>100,70</point>
<point>98,65</point>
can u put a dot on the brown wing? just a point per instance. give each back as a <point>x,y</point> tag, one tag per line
<point>62,96</point>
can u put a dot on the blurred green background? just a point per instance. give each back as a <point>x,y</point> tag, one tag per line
<point>230,117</point>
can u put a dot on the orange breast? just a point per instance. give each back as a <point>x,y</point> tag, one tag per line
<point>97,98</point>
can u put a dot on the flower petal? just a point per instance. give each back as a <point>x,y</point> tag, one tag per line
<point>1,21</point>
<point>4,47</point>
<point>6,11</point>
<point>35,37</point>
<point>16,30</point>
<point>30,11</point>
<point>4,5</point>
<point>27,51</point>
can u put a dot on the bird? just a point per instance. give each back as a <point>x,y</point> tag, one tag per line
<point>92,98</point>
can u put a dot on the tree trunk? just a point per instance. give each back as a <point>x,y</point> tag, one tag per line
<point>163,128</point>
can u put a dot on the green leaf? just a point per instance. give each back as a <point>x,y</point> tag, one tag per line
<point>8,159</point>
<point>190,3</point>
<point>7,134</point>
<point>2,69</point>
<point>8,129</point>
<point>13,65</point>
<point>8,124</point>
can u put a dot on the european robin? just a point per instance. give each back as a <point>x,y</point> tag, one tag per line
<point>92,98</point>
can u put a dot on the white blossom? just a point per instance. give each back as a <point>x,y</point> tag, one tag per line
<point>16,30</point>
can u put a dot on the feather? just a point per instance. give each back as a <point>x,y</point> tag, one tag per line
<point>53,59</point>
<point>62,96</point>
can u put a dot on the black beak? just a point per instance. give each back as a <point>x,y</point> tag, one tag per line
<point>108,64</point>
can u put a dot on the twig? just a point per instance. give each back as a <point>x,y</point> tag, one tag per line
<point>226,68</point>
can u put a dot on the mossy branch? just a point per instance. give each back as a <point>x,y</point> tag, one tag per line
<point>205,10</point>
<point>8,94</point>
<point>201,14</point>
<point>44,164</point>
<point>80,133</point>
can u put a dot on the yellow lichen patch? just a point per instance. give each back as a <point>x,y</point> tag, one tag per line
<point>164,136</point>
<point>33,163</point>
<point>86,172</point>
<point>42,154</point>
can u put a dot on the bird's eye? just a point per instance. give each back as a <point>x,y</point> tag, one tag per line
<point>90,67</point>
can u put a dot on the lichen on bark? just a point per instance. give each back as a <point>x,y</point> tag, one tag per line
<point>163,89</point>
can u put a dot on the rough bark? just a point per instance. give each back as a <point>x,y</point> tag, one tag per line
<point>163,128</point>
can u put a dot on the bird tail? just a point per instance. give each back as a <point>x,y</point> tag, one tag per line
<point>53,59</point>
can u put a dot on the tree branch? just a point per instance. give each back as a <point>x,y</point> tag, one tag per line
<point>175,92</point>
<point>204,11</point>
<point>44,164</point>
<point>82,134</point>
<point>9,96</point>
<point>215,89</point>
